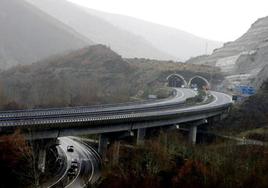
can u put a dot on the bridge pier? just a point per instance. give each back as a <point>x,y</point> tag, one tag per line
<point>115,152</point>
<point>192,134</point>
<point>193,130</point>
<point>42,160</point>
<point>40,148</point>
<point>141,136</point>
<point>103,144</point>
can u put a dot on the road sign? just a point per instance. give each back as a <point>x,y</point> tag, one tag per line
<point>245,90</point>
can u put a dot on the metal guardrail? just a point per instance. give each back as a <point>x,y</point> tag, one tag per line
<point>79,109</point>
<point>68,120</point>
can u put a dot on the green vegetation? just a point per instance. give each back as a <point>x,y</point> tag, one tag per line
<point>202,97</point>
<point>93,75</point>
<point>260,134</point>
<point>248,119</point>
<point>171,162</point>
<point>97,75</point>
<point>167,161</point>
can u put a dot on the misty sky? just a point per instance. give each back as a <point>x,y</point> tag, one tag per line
<point>222,20</point>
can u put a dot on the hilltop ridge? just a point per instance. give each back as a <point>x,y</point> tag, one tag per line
<point>28,35</point>
<point>243,59</point>
<point>128,36</point>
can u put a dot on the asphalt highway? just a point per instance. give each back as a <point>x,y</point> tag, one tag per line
<point>88,161</point>
<point>180,96</point>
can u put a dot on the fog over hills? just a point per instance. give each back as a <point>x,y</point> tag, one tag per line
<point>91,75</point>
<point>28,35</point>
<point>100,31</point>
<point>173,41</point>
<point>128,36</point>
<point>86,76</point>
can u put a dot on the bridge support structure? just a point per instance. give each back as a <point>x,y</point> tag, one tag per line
<point>115,152</point>
<point>192,134</point>
<point>141,133</point>
<point>42,160</point>
<point>40,148</point>
<point>193,130</point>
<point>103,145</point>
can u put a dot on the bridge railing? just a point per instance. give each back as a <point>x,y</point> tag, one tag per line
<point>92,107</point>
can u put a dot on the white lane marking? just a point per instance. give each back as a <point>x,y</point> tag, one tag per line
<point>89,154</point>
<point>80,166</point>
<point>216,99</point>
<point>77,175</point>
<point>182,94</point>
<point>229,97</point>
<point>205,105</point>
<point>89,159</point>
<point>92,167</point>
<point>65,152</point>
<point>92,172</point>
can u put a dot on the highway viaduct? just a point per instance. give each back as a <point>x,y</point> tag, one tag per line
<point>44,126</point>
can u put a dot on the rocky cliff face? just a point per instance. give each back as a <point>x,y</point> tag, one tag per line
<point>261,78</point>
<point>256,37</point>
<point>244,57</point>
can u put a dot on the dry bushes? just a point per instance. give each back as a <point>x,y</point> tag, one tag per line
<point>15,161</point>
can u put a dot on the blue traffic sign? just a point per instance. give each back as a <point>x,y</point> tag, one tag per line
<point>246,90</point>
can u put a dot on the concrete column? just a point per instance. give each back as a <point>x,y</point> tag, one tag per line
<point>103,142</point>
<point>42,159</point>
<point>116,152</point>
<point>140,136</point>
<point>40,148</point>
<point>192,134</point>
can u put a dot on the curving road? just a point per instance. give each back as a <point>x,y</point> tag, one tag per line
<point>88,159</point>
<point>52,123</point>
<point>89,164</point>
<point>180,96</point>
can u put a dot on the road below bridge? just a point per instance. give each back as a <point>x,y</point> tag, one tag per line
<point>45,124</point>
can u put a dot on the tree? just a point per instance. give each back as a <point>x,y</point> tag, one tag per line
<point>15,161</point>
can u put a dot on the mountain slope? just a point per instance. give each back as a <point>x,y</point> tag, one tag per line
<point>236,56</point>
<point>178,43</point>
<point>261,78</point>
<point>100,31</point>
<point>27,34</point>
<point>90,75</point>
<point>87,76</point>
<point>242,59</point>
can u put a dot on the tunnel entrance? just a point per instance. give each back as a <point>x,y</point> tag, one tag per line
<point>199,82</point>
<point>176,80</point>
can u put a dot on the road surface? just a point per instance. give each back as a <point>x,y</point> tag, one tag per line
<point>89,165</point>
